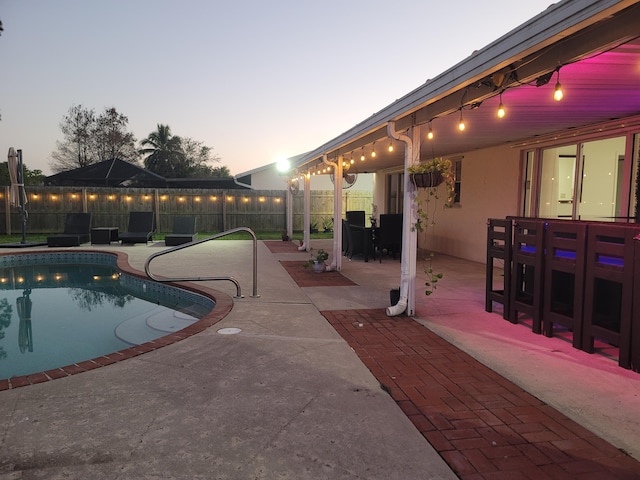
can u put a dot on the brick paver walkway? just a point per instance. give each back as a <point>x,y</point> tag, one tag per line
<point>484,426</point>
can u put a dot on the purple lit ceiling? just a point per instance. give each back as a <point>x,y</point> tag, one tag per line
<point>598,89</point>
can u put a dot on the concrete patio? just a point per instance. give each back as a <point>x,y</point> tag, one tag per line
<point>288,397</point>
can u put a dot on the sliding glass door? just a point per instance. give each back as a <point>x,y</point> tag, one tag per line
<point>585,181</point>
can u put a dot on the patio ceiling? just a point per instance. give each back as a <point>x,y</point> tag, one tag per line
<point>599,72</point>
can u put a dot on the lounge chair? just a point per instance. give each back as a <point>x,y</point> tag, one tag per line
<point>77,230</point>
<point>184,231</point>
<point>140,229</point>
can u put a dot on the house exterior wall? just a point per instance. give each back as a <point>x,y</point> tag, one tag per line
<point>489,190</point>
<point>270,179</point>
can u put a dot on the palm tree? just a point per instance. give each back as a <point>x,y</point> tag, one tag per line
<point>163,153</point>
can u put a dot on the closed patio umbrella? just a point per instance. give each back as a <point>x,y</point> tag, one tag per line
<point>25,335</point>
<point>18,196</point>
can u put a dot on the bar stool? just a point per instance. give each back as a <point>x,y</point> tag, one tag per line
<point>609,288</point>
<point>527,275</point>
<point>635,317</point>
<point>565,243</point>
<point>499,245</point>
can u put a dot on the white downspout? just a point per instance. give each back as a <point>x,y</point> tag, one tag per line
<point>336,263</point>
<point>409,235</point>
<point>306,237</point>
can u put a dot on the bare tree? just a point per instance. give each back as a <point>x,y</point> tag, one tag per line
<point>112,139</point>
<point>75,150</point>
<point>90,139</point>
<point>198,158</point>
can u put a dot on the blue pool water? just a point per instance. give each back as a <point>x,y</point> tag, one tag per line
<point>57,309</point>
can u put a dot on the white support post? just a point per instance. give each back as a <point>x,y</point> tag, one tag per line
<point>306,235</point>
<point>409,235</point>
<point>336,264</point>
<point>289,211</point>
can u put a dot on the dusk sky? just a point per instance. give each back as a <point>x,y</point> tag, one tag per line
<point>254,80</point>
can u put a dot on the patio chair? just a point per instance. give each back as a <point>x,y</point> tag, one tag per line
<point>184,231</point>
<point>140,229</point>
<point>358,236</point>
<point>355,217</point>
<point>345,237</point>
<point>77,230</point>
<point>389,236</point>
<point>355,240</point>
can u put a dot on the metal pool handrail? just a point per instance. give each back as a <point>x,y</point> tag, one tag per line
<point>200,279</point>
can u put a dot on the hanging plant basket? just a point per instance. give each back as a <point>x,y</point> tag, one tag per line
<point>427,180</point>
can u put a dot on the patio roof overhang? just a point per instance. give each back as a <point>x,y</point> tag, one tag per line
<point>593,45</point>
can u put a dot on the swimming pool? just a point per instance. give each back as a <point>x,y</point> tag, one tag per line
<point>62,308</point>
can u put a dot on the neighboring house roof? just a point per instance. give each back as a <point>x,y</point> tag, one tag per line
<point>118,173</point>
<point>108,173</point>
<point>592,44</point>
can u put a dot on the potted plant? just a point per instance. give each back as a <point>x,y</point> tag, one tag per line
<point>317,261</point>
<point>429,175</point>
<point>372,218</point>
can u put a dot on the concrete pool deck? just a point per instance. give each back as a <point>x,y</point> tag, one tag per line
<point>288,397</point>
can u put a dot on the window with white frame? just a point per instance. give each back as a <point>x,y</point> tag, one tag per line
<point>457,170</point>
<point>593,179</point>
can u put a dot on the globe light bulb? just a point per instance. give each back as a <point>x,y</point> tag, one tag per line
<point>557,94</point>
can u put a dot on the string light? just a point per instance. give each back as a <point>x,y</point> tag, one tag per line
<point>501,111</point>
<point>362,157</point>
<point>557,94</point>
<point>373,150</point>
<point>461,125</point>
<point>430,132</point>
<point>390,146</point>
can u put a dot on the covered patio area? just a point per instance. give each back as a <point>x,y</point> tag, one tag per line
<point>589,50</point>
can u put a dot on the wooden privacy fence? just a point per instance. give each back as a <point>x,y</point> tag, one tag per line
<point>215,210</point>
<point>322,206</point>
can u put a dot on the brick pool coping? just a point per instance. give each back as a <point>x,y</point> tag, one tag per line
<point>224,304</point>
